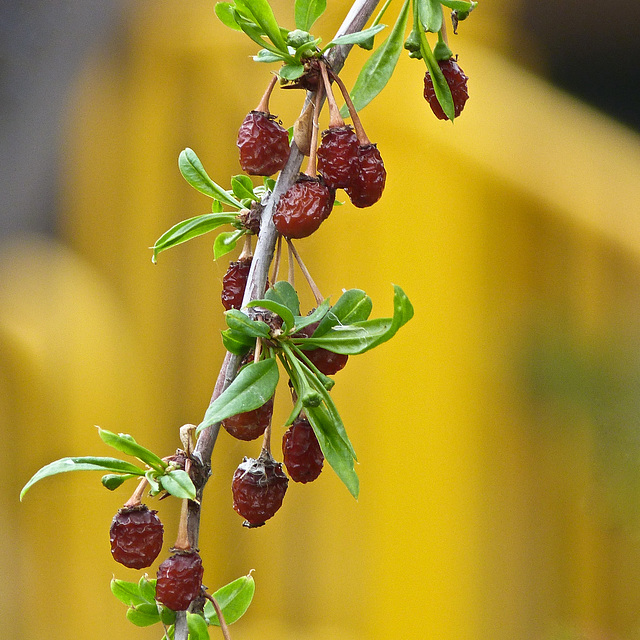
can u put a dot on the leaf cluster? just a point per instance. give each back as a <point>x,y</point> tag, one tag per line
<point>343,328</point>
<point>144,610</point>
<point>162,475</point>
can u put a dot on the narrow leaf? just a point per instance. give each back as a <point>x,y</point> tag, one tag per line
<point>291,71</point>
<point>193,172</point>
<point>242,187</point>
<point>241,323</point>
<point>127,592</point>
<point>197,627</point>
<point>226,242</point>
<point>440,85</point>
<point>251,388</point>
<point>114,480</point>
<point>236,343</point>
<point>178,484</point>
<point>459,5</point>
<point>379,68</point>
<point>147,588</point>
<point>143,615</point>
<point>125,443</point>
<point>86,463</point>
<point>234,599</point>
<point>263,16</point>
<point>352,306</point>
<point>355,38</point>
<point>430,14</point>
<point>279,309</point>
<point>224,11</point>
<point>315,316</point>
<point>307,12</point>
<point>191,228</point>
<point>266,56</point>
<point>283,293</point>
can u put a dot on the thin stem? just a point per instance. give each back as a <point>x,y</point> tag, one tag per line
<point>264,101</point>
<point>247,251</point>
<point>136,496</point>
<point>305,272</point>
<point>291,274</point>
<point>355,118</point>
<point>443,30</point>
<point>223,625</point>
<point>313,148</point>
<point>335,119</point>
<point>276,261</point>
<point>182,540</point>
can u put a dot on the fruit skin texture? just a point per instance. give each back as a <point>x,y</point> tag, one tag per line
<point>303,208</point>
<point>234,283</point>
<point>263,144</point>
<point>368,184</point>
<point>338,157</point>
<point>258,488</point>
<point>250,424</point>
<point>136,537</point>
<point>301,451</point>
<point>457,81</point>
<point>179,580</point>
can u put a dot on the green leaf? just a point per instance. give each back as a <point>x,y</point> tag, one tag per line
<point>114,480</point>
<point>178,484</point>
<point>197,627</point>
<point>125,443</point>
<point>193,172</point>
<point>251,388</point>
<point>233,599</point>
<point>283,293</point>
<point>240,322</point>
<point>355,38</point>
<point>226,242</point>
<point>266,56</point>
<point>168,617</point>
<point>263,15</point>
<point>459,5</point>
<point>291,71</point>
<point>356,338</point>
<point>224,11</point>
<point>86,463</point>
<point>430,13</point>
<point>127,592</point>
<point>380,66</point>
<point>147,588</point>
<point>304,321</point>
<point>440,85</point>
<point>352,306</point>
<point>242,187</point>
<point>216,206</point>
<point>307,12</point>
<point>236,343</point>
<point>143,615</point>
<point>191,228</point>
<point>279,309</point>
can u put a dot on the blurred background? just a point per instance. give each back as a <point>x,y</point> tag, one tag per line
<point>498,434</point>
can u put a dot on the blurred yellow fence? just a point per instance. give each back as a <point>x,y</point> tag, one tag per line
<point>498,434</point>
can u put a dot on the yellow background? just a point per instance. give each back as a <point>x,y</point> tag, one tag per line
<point>497,433</point>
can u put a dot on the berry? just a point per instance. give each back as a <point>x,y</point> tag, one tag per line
<point>301,451</point>
<point>263,144</point>
<point>179,580</point>
<point>136,537</point>
<point>303,207</point>
<point>250,424</point>
<point>234,283</point>
<point>338,156</point>
<point>324,360</point>
<point>258,488</point>
<point>368,183</point>
<point>457,81</point>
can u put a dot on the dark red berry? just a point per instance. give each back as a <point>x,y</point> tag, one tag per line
<point>263,144</point>
<point>324,360</point>
<point>338,156</point>
<point>368,183</point>
<point>258,488</point>
<point>234,283</point>
<point>301,451</point>
<point>250,424</point>
<point>179,580</point>
<point>303,208</point>
<point>457,81</point>
<point>136,537</point>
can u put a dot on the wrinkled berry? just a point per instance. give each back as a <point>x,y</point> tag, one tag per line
<point>179,580</point>
<point>303,208</point>
<point>368,183</point>
<point>258,488</point>
<point>338,157</point>
<point>234,283</point>
<point>250,424</point>
<point>301,451</point>
<point>136,536</point>
<point>324,360</point>
<point>263,144</point>
<point>457,81</point>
